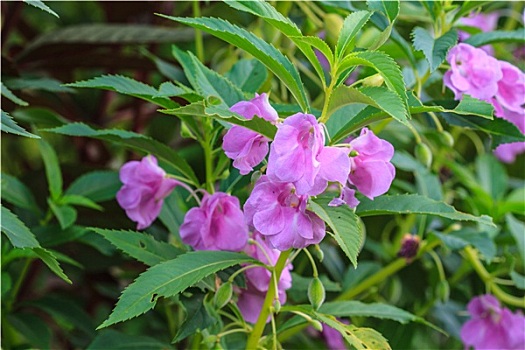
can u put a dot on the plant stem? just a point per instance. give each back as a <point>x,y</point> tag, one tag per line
<point>199,48</point>
<point>258,328</point>
<point>208,161</point>
<point>18,283</point>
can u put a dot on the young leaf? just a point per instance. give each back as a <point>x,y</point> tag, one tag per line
<point>53,172</point>
<point>74,199</point>
<point>16,192</point>
<point>40,4</point>
<point>435,49</point>
<point>497,36</point>
<point>389,7</point>
<point>272,58</point>
<point>140,246</point>
<point>351,26</point>
<point>65,214</point>
<point>248,75</point>
<point>131,140</point>
<point>344,224</point>
<point>10,96</point>
<point>415,204</point>
<point>98,186</point>
<point>516,229</point>
<point>9,125</point>
<point>18,233</point>
<point>51,261</point>
<point>197,317</point>
<point>169,278</point>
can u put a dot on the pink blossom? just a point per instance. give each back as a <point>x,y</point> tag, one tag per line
<point>492,326</point>
<point>144,190</point>
<point>257,106</point>
<point>347,197</point>
<point>251,299</point>
<point>511,89</point>
<point>298,156</point>
<point>218,224</point>
<point>371,171</point>
<point>486,22</point>
<point>279,213</point>
<point>472,72</point>
<point>508,152</point>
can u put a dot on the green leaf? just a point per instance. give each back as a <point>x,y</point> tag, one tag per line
<point>351,26</point>
<point>40,117</point>
<point>197,317</point>
<point>497,36</point>
<point>169,278</point>
<point>65,214</point>
<point>492,175</point>
<point>6,282</point>
<point>40,4</point>
<point>140,246</point>
<point>51,261</point>
<point>389,7</point>
<point>519,280</point>
<point>377,310</point>
<point>435,49</point>
<point>378,97</point>
<point>248,75</point>
<point>131,140</point>
<point>415,204</point>
<point>317,43</point>
<point>204,109</point>
<point>272,58</point>
<point>53,172</point>
<point>344,224</point>
<point>126,86</point>
<point>428,183</point>
<point>16,192</point>
<point>517,228</point>
<point>459,239</point>
<point>45,84</point>
<point>74,199</point>
<point>10,96</point>
<point>18,233</point>
<point>115,340</point>
<point>32,328</point>
<point>9,125</point>
<point>384,65</point>
<point>472,106</point>
<point>98,186</point>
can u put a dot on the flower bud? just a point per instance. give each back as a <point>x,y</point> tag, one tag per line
<point>374,80</point>
<point>319,253</point>
<point>447,139</point>
<point>333,24</point>
<point>210,339</point>
<point>316,293</point>
<point>256,175</point>
<point>443,290</point>
<point>223,295</point>
<point>424,154</point>
<point>277,305</point>
<point>409,247</point>
<point>317,325</point>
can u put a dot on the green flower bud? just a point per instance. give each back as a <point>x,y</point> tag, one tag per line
<point>256,175</point>
<point>317,325</point>
<point>333,24</point>
<point>443,290</point>
<point>319,253</point>
<point>210,339</point>
<point>316,293</point>
<point>277,306</point>
<point>447,139</point>
<point>223,295</point>
<point>374,80</point>
<point>424,154</point>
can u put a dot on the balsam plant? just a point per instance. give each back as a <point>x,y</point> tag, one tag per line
<point>333,181</point>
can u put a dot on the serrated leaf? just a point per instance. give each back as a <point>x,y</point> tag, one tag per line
<point>497,36</point>
<point>351,26</point>
<point>480,240</point>
<point>168,279</point>
<point>248,74</point>
<point>140,246</point>
<point>53,172</point>
<point>317,43</point>
<point>98,186</point>
<point>415,204</point>
<point>344,224</point>
<point>45,84</point>
<point>435,49</point>
<point>115,340</point>
<point>272,58</point>
<point>472,106</point>
<point>517,229</point>
<point>126,86</point>
<point>74,199</point>
<point>10,96</point>
<point>377,310</point>
<point>65,214</point>
<point>51,261</point>
<point>40,117</point>
<point>18,233</point>
<point>9,125</point>
<point>197,317</point>
<point>131,140</point>
<point>16,192</point>
<point>389,7</point>
<point>41,5</point>
<point>378,97</point>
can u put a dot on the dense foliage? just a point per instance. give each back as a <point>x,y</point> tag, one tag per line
<point>250,174</point>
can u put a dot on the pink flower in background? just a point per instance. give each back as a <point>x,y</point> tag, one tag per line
<point>492,326</point>
<point>508,152</point>
<point>279,213</point>
<point>371,171</point>
<point>251,299</point>
<point>511,89</point>
<point>332,337</point>
<point>486,22</point>
<point>472,72</point>
<point>347,197</point>
<point>218,224</point>
<point>298,156</point>
<point>144,190</point>
<point>247,148</point>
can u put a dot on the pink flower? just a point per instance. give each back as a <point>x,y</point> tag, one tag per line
<point>279,213</point>
<point>218,224</point>
<point>491,326</point>
<point>144,190</point>
<point>507,152</point>
<point>246,147</point>
<point>511,89</point>
<point>298,156</point>
<point>251,299</point>
<point>472,72</point>
<point>371,171</point>
<point>486,22</point>
<point>347,197</point>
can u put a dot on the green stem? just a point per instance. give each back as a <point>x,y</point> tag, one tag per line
<point>208,162</point>
<point>18,284</point>
<point>258,328</point>
<point>314,266</point>
<point>172,327</point>
<point>199,47</point>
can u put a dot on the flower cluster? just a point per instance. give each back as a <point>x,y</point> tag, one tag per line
<point>492,326</point>
<point>476,73</point>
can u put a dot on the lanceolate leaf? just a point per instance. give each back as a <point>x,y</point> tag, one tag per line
<point>132,140</point>
<point>266,53</point>
<point>435,50</point>
<point>169,279</point>
<point>53,172</point>
<point>10,96</point>
<point>344,224</point>
<point>17,232</point>
<point>389,7</point>
<point>9,125</point>
<point>98,186</point>
<point>351,26</point>
<point>16,192</point>
<point>248,75</point>
<point>415,204</point>
<point>497,36</point>
<point>40,4</point>
<point>140,246</point>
